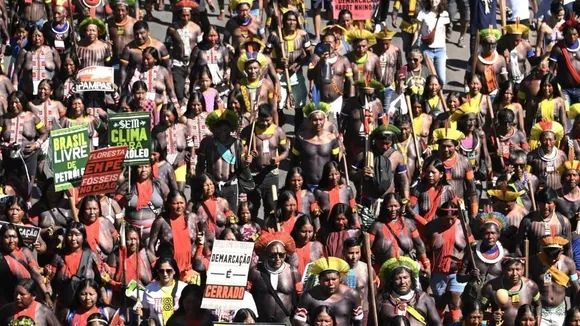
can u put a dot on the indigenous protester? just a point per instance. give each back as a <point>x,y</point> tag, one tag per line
<point>330,159</point>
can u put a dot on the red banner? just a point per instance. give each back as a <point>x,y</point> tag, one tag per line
<point>102,171</point>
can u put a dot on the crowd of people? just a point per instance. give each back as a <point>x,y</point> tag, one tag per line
<point>402,204</point>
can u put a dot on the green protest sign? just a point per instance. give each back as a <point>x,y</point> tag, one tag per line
<point>70,155</point>
<point>133,130</point>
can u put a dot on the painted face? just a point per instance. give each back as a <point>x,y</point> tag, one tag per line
<point>361,47</point>
<point>212,37</point>
<point>393,209</point>
<point>405,131</point>
<point>10,240</point>
<point>571,178</point>
<point>333,177</point>
<point>167,118</point>
<point>69,67</point>
<point>253,70</point>
<point>77,108</point>
<point>317,121</point>
<point>514,272</point>
<point>120,12</point>
<point>37,38</point>
<point>490,236</point>
<point>276,254</point>
<point>290,206</point>
<point>330,281</point>
<point>44,91</point>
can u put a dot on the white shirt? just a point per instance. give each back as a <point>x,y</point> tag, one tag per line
<point>152,300</point>
<point>428,20</point>
<point>520,8</point>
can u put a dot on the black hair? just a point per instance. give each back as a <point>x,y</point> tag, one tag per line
<point>329,166</point>
<point>342,209</point>
<point>138,85</point>
<point>471,306</point>
<point>300,222</point>
<point>546,195</point>
<point>351,242</point>
<point>84,203</point>
<point>79,227</point>
<point>153,52</point>
<point>320,309</point>
<point>506,116</point>
<point>17,200</point>
<point>265,110</point>
<point>244,314</point>
<point>553,80</point>
<point>527,308</point>
<point>291,173</point>
<point>169,260</point>
<point>140,24</point>
<point>437,164</point>
<point>84,284</point>
<point>29,285</point>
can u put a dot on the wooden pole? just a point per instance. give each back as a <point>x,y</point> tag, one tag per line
<point>475,54</point>
<point>502,7</point>
<point>283,54</point>
<point>415,143</point>
<point>373,302</point>
<point>466,232</point>
<point>275,199</point>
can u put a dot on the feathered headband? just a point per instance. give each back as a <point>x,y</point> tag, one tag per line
<point>390,265</point>
<point>268,238</point>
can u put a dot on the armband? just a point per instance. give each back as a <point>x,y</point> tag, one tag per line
<point>574,277</point>
<point>402,169</point>
<point>39,125</point>
<point>295,151</point>
<point>335,151</point>
<point>282,141</point>
<point>537,296</point>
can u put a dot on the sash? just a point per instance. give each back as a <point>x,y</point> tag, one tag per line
<point>557,275</point>
<point>170,137</point>
<point>568,62</point>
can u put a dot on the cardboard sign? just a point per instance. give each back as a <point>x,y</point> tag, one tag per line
<point>227,275</point>
<point>70,148</point>
<point>132,130</point>
<point>95,78</point>
<point>361,9</point>
<point>102,171</point>
<point>29,234</point>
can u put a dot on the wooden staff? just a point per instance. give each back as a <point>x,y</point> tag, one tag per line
<point>502,7</point>
<point>466,232</point>
<point>526,241</point>
<point>283,54</point>
<point>373,302</point>
<point>137,18</point>
<point>72,26</point>
<point>475,54</point>
<point>415,143</point>
<point>493,130</point>
<point>275,199</point>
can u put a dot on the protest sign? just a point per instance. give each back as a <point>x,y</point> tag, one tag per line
<point>361,9</point>
<point>227,275</point>
<point>133,130</point>
<point>102,171</point>
<point>95,78</point>
<point>70,154</point>
<point>29,234</point>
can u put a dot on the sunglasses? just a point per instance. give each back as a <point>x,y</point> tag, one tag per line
<point>278,254</point>
<point>165,271</point>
